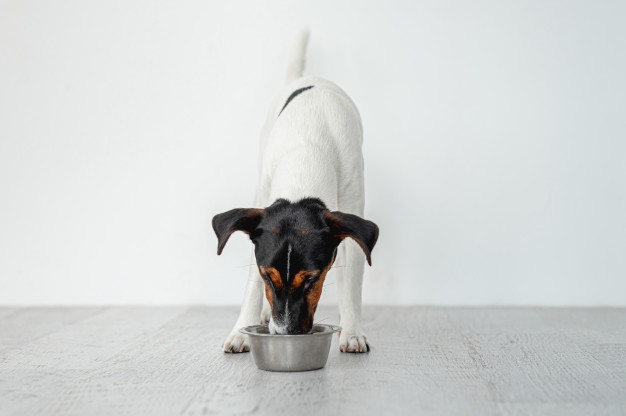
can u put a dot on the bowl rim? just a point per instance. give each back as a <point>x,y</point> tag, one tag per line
<point>330,329</point>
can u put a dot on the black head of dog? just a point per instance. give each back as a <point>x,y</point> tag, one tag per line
<point>295,246</point>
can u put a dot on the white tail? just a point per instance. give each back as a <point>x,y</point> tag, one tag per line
<point>297,56</point>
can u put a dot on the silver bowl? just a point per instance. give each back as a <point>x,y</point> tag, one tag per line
<point>302,352</point>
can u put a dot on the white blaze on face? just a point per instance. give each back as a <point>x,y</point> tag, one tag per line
<point>287,302</point>
<point>288,259</point>
<point>281,327</point>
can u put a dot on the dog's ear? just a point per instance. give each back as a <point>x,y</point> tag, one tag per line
<point>364,232</point>
<point>238,219</point>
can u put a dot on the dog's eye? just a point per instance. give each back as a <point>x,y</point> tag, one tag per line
<point>263,275</point>
<point>310,280</point>
<point>311,277</point>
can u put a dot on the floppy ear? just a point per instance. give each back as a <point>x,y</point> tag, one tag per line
<point>364,232</point>
<point>238,219</point>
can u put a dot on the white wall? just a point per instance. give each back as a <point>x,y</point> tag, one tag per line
<point>495,145</point>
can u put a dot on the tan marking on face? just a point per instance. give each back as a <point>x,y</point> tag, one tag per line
<point>305,231</point>
<point>300,277</point>
<point>274,276</point>
<point>314,295</point>
<point>275,230</point>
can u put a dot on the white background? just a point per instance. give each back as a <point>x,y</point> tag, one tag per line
<point>494,145</point>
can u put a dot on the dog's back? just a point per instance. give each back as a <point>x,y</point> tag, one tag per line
<point>312,138</point>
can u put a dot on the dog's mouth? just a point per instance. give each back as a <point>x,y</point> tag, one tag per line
<point>278,329</point>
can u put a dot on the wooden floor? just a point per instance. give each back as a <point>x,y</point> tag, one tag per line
<point>424,360</point>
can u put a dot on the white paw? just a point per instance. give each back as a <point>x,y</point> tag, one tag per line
<point>236,342</point>
<point>266,313</point>
<point>353,341</point>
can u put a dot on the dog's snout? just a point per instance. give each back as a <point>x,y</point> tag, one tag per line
<point>285,325</point>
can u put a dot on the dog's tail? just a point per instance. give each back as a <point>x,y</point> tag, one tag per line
<point>297,57</point>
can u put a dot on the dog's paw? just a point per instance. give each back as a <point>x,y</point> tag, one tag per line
<point>266,313</point>
<point>236,342</point>
<point>353,341</point>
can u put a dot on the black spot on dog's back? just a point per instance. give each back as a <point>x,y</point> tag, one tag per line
<point>294,95</point>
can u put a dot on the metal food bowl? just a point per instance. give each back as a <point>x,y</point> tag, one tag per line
<point>301,352</point>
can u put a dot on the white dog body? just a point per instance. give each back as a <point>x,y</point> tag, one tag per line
<point>311,147</point>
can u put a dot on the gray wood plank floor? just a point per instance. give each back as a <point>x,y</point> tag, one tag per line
<point>424,360</point>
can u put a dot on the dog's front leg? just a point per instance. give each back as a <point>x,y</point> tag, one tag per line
<point>349,284</point>
<point>250,311</point>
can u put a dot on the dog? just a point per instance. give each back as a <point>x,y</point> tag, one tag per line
<point>312,187</point>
